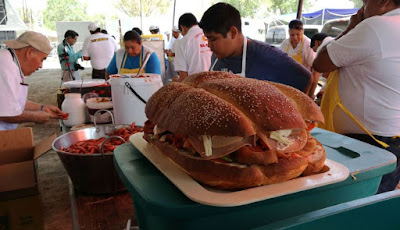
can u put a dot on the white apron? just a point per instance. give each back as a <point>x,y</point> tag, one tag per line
<point>243,73</point>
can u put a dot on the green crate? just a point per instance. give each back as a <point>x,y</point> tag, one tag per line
<point>160,205</point>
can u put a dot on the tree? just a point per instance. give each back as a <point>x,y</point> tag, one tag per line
<point>251,8</point>
<point>289,6</point>
<point>357,3</point>
<point>149,7</point>
<point>247,8</point>
<point>63,10</point>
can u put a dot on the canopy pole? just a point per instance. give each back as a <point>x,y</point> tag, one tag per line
<point>173,15</point>
<point>141,16</point>
<point>299,9</point>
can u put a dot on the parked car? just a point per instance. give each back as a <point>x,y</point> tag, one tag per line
<point>276,34</point>
<point>335,27</point>
<point>310,30</point>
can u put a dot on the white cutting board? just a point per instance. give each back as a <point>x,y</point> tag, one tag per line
<point>222,198</point>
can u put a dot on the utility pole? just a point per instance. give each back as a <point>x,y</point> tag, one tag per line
<point>299,9</point>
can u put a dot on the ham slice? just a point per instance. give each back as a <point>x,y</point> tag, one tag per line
<point>293,142</point>
<point>221,146</point>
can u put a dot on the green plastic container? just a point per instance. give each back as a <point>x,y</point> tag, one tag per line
<point>374,212</point>
<point>160,205</point>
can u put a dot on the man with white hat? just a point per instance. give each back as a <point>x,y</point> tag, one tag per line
<point>154,29</point>
<point>173,44</point>
<point>24,56</point>
<point>99,48</point>
<point>176,35</point>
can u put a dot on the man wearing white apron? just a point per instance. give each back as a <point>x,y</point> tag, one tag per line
<point>23,57</point>
<point>249,58</point>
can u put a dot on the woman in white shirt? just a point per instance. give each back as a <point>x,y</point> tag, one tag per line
<point>298,47</point>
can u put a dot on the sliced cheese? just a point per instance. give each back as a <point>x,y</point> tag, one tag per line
<point>207,140</point>
<point>158,130</point>
<point>282,137</point>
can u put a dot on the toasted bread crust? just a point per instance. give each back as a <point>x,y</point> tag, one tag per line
<point>206,103</point>
<point>198,78</point>
<point>226,105</point>
<point>232,176</point>
<point>264,104</point>
<point>315,155</point>
<point>306,106</point>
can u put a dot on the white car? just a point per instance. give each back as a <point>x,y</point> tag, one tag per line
<point>335,27</point>
<point>276,34</point>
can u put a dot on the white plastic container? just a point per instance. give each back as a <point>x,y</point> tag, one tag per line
<point>98,103</point>
<point>127,107</point>
<point>75,107</point>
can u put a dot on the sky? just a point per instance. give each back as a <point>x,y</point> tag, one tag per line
<point>106,6</point>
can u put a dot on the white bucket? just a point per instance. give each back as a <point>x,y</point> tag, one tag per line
<point>127,107</point>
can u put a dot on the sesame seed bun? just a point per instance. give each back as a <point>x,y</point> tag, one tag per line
<point>261,127</point>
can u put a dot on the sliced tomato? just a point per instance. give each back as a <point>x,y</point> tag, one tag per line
<point>311,126</point>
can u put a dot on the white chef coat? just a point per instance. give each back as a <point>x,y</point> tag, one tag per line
<point>14,91</point>
<point>193,54</point>
<point>100,48</point>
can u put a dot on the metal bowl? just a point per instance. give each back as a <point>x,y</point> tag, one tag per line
<point>90,173</point>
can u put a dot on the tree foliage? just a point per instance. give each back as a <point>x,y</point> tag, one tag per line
<point>63,10</point>
<point>251,8</point>
<point>247,8</point>
<point>357,3</point>
<point>149,7</point>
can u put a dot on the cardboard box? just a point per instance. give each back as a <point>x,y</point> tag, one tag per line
<point>17,162</point>
<point>22,214</point>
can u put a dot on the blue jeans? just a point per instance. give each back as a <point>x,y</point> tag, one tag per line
<point>391,180</point>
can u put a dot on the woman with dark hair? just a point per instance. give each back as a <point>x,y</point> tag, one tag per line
<point>68,57</point>
<point>298,47</point>
<point>130,58</point>
<point>139,31</point>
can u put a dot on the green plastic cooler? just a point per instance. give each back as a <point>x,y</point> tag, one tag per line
<point>159,204</point>
<point>373,212</point>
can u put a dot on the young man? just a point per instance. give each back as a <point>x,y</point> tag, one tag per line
<point>99,48</point>
<point>24,56</point>
<point>233,52</point>
<point>192,55</point>
<point>319,40</point>
<point>367,56</point>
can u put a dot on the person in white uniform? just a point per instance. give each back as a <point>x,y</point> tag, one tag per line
<point>367,55</point>
<point>22,57</point>
<point>193,54</point>
<point>173,44</point>
<point>176,35</point>
<point>298,47</point>
<point>99,48</point>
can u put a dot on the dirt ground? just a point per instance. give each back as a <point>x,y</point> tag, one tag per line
<point>52,177</point>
